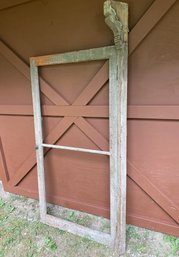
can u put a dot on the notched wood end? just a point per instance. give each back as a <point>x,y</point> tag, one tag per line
<point>116,17</point>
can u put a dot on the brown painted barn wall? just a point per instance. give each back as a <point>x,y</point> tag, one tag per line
<point>79,180</point>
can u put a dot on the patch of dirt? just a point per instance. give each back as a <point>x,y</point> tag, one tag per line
<point>22,235</point>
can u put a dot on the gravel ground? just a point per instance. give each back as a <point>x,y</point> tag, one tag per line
<point>22,235</point>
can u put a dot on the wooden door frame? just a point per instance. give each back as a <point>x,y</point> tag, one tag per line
<point>117,57</point>
<point>105,53</point>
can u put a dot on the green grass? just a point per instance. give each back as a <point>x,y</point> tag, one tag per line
<point>2,203</point>
<point>140,248</point>
<point>174,242</point>
<point>71,216</point>
<point>50,244</point>
<point>10,208</point>
<point>20,238</point>
<point>132,233</point>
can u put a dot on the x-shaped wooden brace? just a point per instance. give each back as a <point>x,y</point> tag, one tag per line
<point>148,21</point>
<point>84,98</point>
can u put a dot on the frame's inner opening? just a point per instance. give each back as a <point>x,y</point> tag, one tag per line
<point>89,134</point>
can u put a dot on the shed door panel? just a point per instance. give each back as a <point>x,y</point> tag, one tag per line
<point>39,28</point>
<point>153,163</point>
<point>76,180</point>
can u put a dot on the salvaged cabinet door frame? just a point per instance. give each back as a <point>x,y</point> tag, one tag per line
<point>117,57</point>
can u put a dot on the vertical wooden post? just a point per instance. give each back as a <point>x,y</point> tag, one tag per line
<point>116,14</point>
<point>38,138</point>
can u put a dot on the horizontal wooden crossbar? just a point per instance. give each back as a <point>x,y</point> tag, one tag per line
<point>57,111</point>
<point>76,149</point>
<point>160,112</point>
<point>156,112</point>
<point>74,57</point>
<point>77,229</point>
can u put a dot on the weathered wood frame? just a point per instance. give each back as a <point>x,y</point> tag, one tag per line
<point>117,56</point>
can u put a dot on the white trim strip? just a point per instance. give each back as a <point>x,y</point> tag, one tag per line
<point>76,149</point>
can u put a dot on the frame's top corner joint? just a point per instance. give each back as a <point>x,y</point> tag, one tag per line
<point>116,17</point>
<point>32,61</point>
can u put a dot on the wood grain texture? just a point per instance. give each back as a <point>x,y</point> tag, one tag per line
<point>38,140</point>
<point>76,229</point>
<point>116,14</point>
<point>73,57</point>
